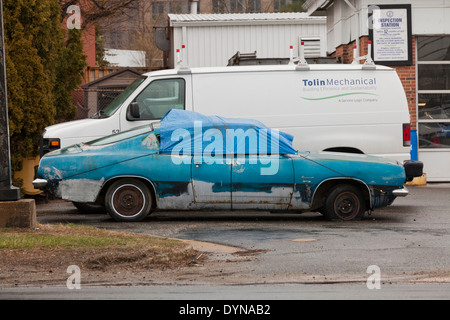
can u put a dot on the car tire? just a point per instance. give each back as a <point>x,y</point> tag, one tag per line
<point>128,200</point>
<point>89,208</point>
<point>344,202</point>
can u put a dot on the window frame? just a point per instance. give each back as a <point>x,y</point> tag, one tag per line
<point>183,81</point>
<point>422,121</point>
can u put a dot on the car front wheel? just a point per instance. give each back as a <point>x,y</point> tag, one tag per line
<point>345,202</point>
<point>128,200</point>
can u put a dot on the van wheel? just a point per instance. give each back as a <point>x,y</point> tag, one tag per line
<point>128,200</point>
<point>345,202</point>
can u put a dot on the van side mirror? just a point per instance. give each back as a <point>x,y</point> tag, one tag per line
<point>133,111</point>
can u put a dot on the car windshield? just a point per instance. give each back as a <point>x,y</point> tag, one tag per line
<point>121,136</point>
<point>117,102</point>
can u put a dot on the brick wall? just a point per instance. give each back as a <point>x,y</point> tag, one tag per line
<point>407,74</point>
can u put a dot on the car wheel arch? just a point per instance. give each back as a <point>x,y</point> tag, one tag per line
<point>344,150</point>
<point>148,183</point>
<point>323,189</point>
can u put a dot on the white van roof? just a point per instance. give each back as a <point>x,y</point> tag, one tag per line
<point>268,68</point>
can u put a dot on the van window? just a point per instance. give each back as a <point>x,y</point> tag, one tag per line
<point>159,97</point>
<point>117,102</point>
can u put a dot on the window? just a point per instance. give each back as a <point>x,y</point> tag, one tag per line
<point>278,5</point>
<point>159,97</point>
<point>161,8</point>
<point>434,76</point>
<point>117,102</point>
<point>433,48</point>
<point>236,6</point>
<point>433,68</point>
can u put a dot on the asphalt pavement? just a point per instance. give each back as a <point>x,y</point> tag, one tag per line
<point>405,247</point>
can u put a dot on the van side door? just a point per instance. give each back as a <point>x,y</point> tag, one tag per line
<point>156,99</point>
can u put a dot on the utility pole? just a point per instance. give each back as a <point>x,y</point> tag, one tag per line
<point>7,191</point>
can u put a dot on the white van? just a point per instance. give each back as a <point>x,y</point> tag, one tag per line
<point>346,108</point>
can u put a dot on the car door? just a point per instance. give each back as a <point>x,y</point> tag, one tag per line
<point>262,182</point>
<point>211,181</point>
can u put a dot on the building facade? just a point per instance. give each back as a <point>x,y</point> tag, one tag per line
<point>414,38</point>
<point>211,40</point>
<point>134,29</point>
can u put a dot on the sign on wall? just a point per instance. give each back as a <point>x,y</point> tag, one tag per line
<point>390,33</point>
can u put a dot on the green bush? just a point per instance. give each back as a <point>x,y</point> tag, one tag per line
<point>44,65</point>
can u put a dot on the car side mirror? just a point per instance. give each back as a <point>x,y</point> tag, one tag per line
<point>133,111</point>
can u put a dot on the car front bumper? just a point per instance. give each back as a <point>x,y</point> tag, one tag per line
<point>400,192</point>
<point>39,183</point>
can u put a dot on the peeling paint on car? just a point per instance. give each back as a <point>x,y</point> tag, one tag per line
<point>80,190</point>
<point>150,142</point>
<point>193,182</point>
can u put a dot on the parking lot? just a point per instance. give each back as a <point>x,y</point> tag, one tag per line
<point>408,241</point>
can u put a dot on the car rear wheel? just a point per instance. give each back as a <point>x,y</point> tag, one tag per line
<point>128,200</point>
<point>345,202</point>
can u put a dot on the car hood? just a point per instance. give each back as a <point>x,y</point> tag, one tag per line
<point>81,158</point>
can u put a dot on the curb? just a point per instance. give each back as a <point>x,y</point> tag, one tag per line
<point>418,181</point>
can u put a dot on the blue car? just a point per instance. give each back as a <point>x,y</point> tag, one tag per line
<point>189,161</point>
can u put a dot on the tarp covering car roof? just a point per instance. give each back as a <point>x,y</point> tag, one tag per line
<point>188,133</point>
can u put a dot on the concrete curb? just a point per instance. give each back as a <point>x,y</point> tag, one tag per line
<point>18,214</point>
<point>418,181</point>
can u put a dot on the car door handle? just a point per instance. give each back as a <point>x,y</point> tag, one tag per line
<point>197,163</point>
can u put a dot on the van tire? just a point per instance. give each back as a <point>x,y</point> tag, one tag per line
<point>128,200</point>
<point>344,202</point>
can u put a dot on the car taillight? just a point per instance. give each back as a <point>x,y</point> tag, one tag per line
<point>406,135</point>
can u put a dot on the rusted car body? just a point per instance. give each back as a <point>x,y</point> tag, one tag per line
<point>194,162</point>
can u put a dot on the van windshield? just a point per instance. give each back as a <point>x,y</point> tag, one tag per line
<point>118,101</point>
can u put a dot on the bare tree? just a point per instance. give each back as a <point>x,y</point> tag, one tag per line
<point>93,11</point>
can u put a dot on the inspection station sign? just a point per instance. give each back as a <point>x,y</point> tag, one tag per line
<point>390,32</point>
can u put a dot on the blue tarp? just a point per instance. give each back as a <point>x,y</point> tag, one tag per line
<point>188,133</point>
